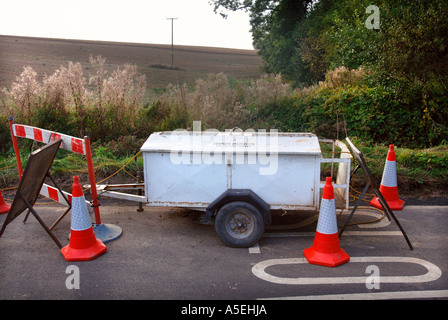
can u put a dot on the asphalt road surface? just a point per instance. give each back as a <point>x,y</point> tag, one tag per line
<point>164,254</point>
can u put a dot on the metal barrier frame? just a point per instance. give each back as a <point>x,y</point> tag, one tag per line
<point>73,144</point>
<point>342,181</point>
<point>389,213</point>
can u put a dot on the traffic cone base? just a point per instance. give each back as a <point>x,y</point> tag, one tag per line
<point>4,207</point>
<point>83,246</point>
<point>326,251</point>
<point>390,194</point>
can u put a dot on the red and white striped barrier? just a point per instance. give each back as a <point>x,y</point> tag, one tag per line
<point>104,232</point>
<point>73,144</point>
<point>54,194</point>
<point>69,143</point>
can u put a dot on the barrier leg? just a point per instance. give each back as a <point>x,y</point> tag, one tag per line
<point>16,148</point>
<point>92,180</point>
<point>104,232</point>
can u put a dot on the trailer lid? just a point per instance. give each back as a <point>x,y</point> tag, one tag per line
<point>234,142</point>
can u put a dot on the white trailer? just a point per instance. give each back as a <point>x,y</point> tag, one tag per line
<point>237,177</point>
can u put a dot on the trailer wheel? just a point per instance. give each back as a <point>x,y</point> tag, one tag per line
<point>239,224</point>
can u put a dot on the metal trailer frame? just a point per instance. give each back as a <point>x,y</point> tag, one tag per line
<point>228,184</point>
<point>341,185</point>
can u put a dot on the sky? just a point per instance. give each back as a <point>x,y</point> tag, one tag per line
<point>141,21</point>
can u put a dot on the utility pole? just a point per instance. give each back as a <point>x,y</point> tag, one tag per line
<point>172,40</point>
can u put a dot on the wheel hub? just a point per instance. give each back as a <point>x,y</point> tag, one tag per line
<point>240,225</point>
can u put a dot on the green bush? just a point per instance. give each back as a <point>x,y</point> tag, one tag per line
<point>5,136</point>
<point>340,106</point>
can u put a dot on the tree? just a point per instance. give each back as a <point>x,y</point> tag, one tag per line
<point>273,30</point>
<point>413,58</point>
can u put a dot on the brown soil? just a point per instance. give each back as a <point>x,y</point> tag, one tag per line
<point>47,55</point>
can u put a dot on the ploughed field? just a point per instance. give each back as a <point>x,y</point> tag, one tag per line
<point>152,60</point>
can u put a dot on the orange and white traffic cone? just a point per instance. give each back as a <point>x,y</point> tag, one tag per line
<point>4,207</point>
<point>325,250</point>
<point>83,244</point>
<point>388,187</point>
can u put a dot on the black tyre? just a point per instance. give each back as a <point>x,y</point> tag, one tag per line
<point>239,224</point>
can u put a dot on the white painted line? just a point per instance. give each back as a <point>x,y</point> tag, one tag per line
<point>346,233</point>
<point>433,272</point>
<point>255,249</point>
<point>429,294</point>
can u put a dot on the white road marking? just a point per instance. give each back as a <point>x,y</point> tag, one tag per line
<point>433,272</point>
<point>424,294</point>
<point>255,248</point>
